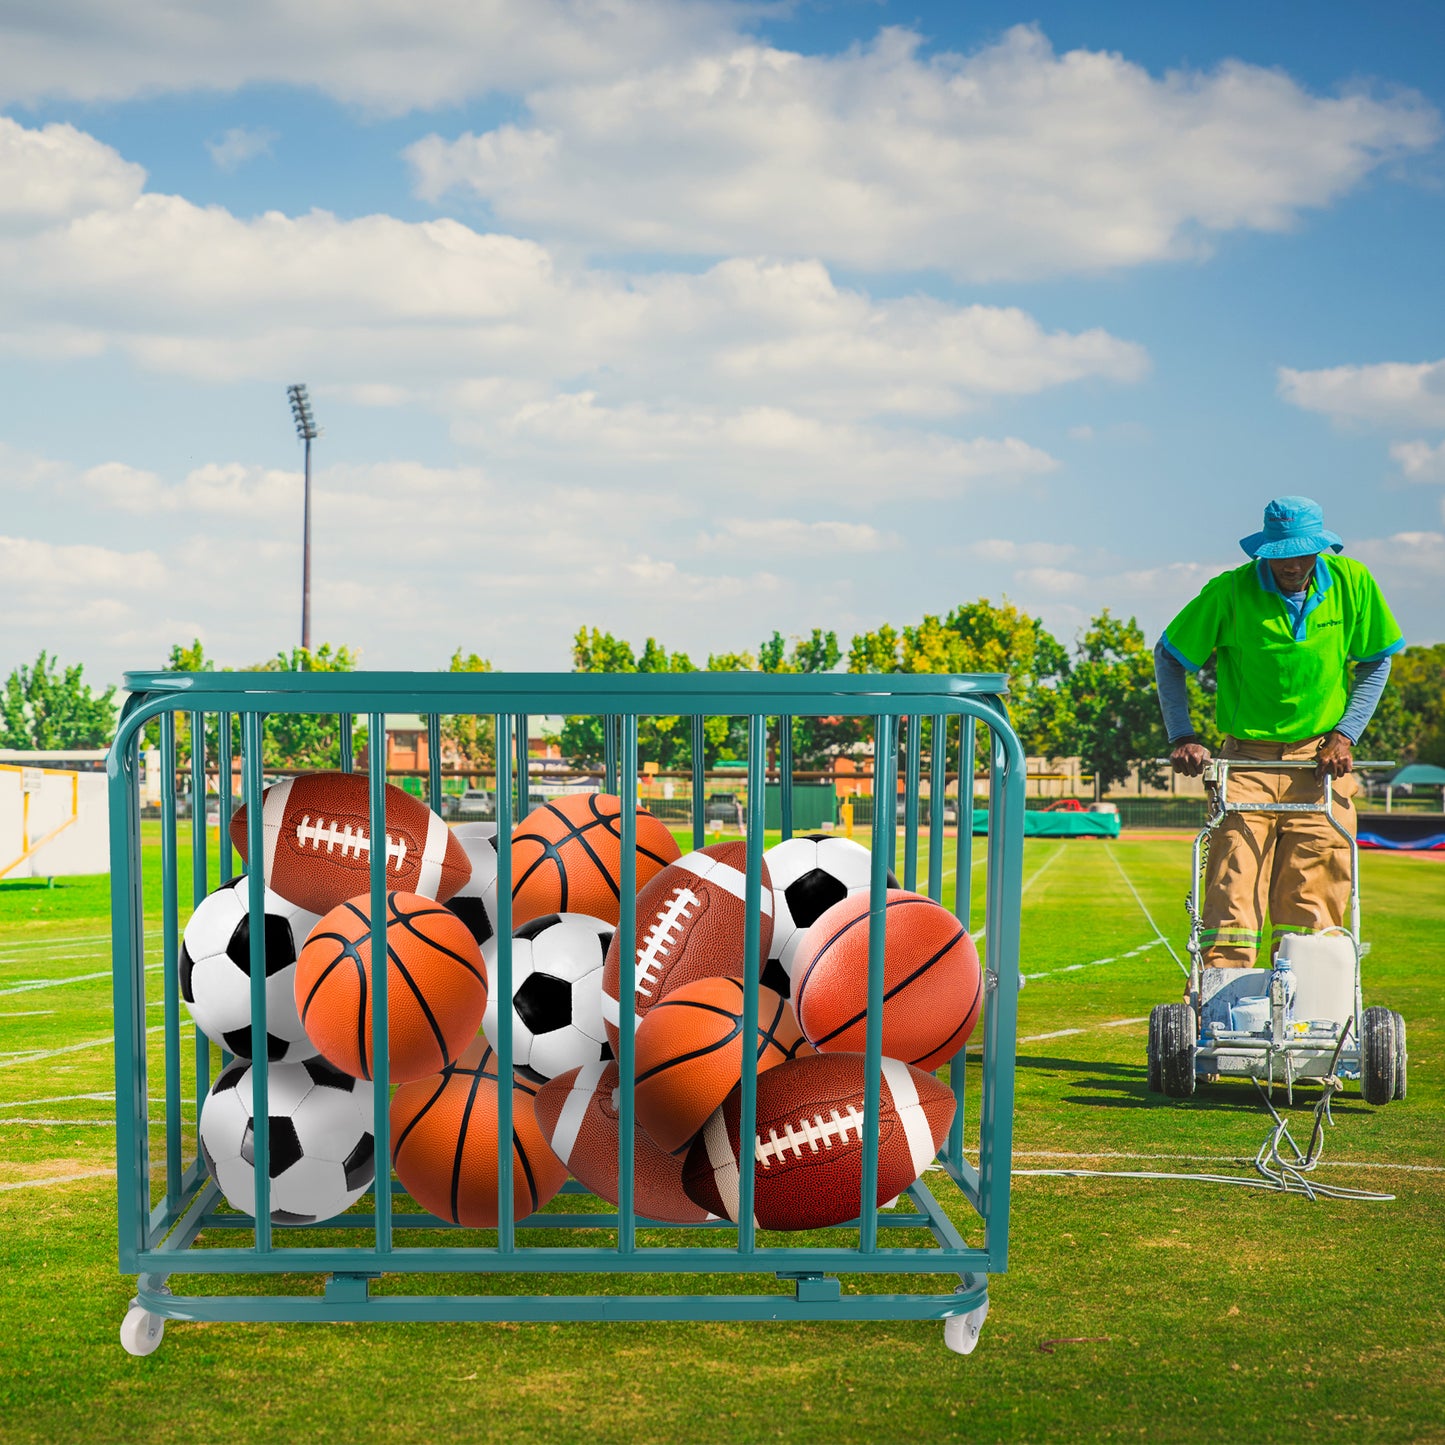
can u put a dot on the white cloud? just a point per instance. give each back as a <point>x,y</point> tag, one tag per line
<point>792,537</point>
<point>48,568</point>
<point>1419,556</point>
<point>51,174</point>
<point>1011,162</point>
<point>1387,393</point>
<point>1000,549</point>
<point>1419,461</point>
<point>240,145</point>
<point>386,55</point>
<point>1052,579</point>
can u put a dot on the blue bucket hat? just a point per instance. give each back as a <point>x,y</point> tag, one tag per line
<point>1293,527</point>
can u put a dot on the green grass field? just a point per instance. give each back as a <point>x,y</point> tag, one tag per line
<point>1183,1311</point>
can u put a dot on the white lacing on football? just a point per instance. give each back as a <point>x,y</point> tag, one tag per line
<point>661,936</point>
<point>810,1133</point>
<point>353,842</point>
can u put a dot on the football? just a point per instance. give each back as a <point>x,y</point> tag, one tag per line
<point>322,1150</point>
<point>690,925</point>
<point>215,971</point>
<point>808,1152</point>
<point>316,831</point>
<point>475,902</point>
<point>556,1013</point>
<point>578,1115</point>
<point>810,874</point>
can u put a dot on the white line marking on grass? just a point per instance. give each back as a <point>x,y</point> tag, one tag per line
<point>1029,883</point>
<point>66,1123</point>
<point>18,944</point>
<point>35,1058</point>
<point>1064,1033</point>
<point>30,1013</point>
<point>1217,1159</point>
<point>31,984</point>
<point>1158,933</point>
<point>107,1097</point>
<point>1097,962</point>
<point>59,1179</point>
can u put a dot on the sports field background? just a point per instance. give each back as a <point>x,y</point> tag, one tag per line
<point>1181,1311</point>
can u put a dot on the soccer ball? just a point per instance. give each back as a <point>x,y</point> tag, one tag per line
<point>556,994</point>
<point>475,903</point>
<point>323,1155</point>
<point>215,969</point>
<point>810,874</point>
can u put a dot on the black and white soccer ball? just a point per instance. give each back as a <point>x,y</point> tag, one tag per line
<point>215,969</point>
<point>475,903</point>
<point>556,994</point>
<point>810,874</point>
<point>323,1152</point>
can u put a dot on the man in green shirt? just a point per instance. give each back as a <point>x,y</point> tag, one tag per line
<point>1286,629</point>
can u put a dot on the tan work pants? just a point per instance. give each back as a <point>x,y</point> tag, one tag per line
<point>1294,864</point>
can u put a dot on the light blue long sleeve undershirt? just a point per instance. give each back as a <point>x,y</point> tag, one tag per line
<point>1169,675</point>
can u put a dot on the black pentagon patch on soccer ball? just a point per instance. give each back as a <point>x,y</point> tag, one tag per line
<point>893,880</point>
<point>327,1075</point>
<point>280,946</point>
<point>285,1144</point>
<point>533,926</point>
<point>775,977</point>
<point>285,1216</point>
<point>544,1003</point>
<point>812,895</point>
<point>207,1156</point>
<point>473,913</point>
<point>607,1055</point>
<point>605,939</point>
<point>360,1164</point>
<point>232,1074</point>
<point>528,1075</point>
<point>238,1041</point>
<point>186,965</point>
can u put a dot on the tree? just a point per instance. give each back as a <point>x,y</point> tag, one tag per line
<point>1418,674</point>
<point>47,707</point>
<point>1114,705</point>
<point>308,740</point>
<point>470,737</point>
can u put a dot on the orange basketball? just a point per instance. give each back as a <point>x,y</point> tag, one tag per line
<point>932,983</point>
<point>567,857</point>
<point>690,1054</point>
<point>444,1143</point>
<point>436,986</point>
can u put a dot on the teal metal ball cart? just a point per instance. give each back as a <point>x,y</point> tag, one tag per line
<point>577,1259</point>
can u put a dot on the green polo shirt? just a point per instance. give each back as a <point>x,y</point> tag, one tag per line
<point>1284,678</point>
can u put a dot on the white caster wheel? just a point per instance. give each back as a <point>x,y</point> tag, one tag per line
<point>141,1331</point>
<point>960,1332</point>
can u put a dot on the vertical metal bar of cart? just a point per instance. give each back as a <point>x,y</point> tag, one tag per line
<point>627,993</point>
<point>344,729</point>
<point>609,746</point>
<point>506,927</point>
<point>169,971</point>
<point>524,781</point>
<point>200,851</point>
<point>962,907</point>
<point>251,781</point>
<point>785,775</point>
<point>434,762</point>
<point>699,782</point>
<point>380,978</point>
<point>752,969</point>
<point>914,764</point>
<point>937,782</point>
<point>885,789</point>
<point>225,771</point>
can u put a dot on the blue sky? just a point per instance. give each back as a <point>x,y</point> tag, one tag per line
<point>697,320</point>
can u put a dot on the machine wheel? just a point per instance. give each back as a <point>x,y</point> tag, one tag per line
<point>1401,1055</point>
<point>1156,1058</point>
<point>141,1331</point>
<point>960,1332</point>
<point>1176,1049</point>
<point>1379,1055</point>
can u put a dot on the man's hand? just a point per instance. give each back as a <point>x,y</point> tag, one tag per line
<point>1189,758</point>
<point>1336,756</point>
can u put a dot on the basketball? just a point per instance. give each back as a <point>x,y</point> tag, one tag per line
<point>444,1143</point>
<point>436,986</point>
<point>690,1054</point>
<point>567,857</point>
<point>932,983</point>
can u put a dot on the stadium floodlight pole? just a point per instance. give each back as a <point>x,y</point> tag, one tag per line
<point>307,430</point>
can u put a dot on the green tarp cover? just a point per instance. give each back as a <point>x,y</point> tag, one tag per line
<point>1059,825</point>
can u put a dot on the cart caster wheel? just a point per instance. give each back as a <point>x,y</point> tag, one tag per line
<point>960,1332</point>
<point>1401,1054</point>
<point>1156,1061</point>
<point>141,1331</point>
<point>1380,1051</point>
<point>1176,1048</point>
